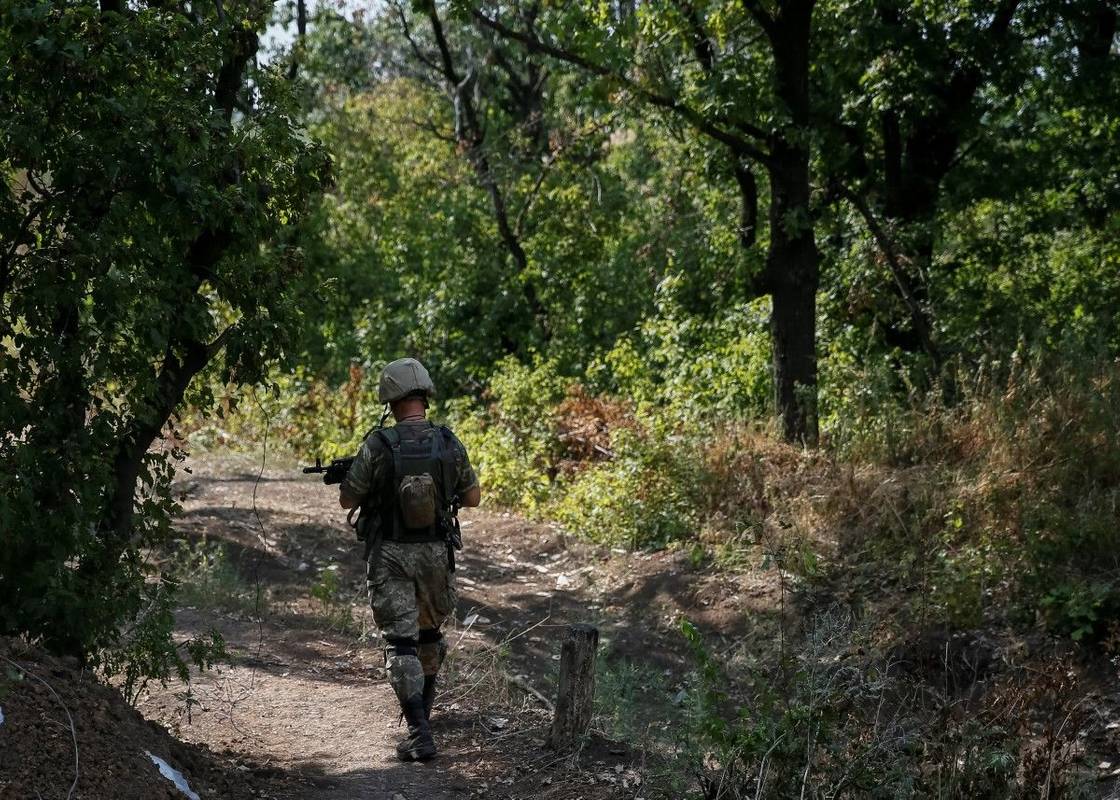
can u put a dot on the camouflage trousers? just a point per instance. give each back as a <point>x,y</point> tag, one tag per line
<point>412,593</point>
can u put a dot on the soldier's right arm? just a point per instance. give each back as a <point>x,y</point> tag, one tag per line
<point>365,474</point>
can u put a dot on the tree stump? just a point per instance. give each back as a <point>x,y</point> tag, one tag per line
<point>577,686</point>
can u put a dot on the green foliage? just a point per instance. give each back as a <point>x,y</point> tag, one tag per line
<point>299,413</point>
<point>146,650</point>
<point>148,233</point>
<point>335,601</point>
<point>622,690</point>
<point>645,494</point>
<point>643,491</point>
<point>1030,274</point>
<point>682,367</point>
<point>513,465</point>
<point>512,444</point>
<point>206,578</point>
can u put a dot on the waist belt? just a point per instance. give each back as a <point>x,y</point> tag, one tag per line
<point>415,537</point>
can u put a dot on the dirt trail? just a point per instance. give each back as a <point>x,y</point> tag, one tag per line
<point>304,709</point>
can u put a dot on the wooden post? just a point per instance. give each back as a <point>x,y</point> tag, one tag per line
<point>577,686</point>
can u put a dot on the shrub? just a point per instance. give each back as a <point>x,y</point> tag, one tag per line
<point>644,494</point>
<point>335,601</point>
<point>208,579</point>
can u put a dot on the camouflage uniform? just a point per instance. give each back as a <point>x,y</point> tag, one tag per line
<point>411,589</point>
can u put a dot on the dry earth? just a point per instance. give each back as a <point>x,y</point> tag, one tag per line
<point>303,709</point>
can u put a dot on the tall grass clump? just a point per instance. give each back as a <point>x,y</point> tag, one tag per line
<point>836,718</point>
<point>1004,502</point>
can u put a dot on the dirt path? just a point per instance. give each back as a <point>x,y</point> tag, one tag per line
<point>303,706</point>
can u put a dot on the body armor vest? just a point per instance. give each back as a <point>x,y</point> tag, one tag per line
<point>417,505</point>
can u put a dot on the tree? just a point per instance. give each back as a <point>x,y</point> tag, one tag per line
<point>468,222</point>
<point>751,95</point>
<point>154,184</point>
<point>935,108</point>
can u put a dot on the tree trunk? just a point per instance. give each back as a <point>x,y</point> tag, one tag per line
<point>793,327</point>
<point>793,261</point>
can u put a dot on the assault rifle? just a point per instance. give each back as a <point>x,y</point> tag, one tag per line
<point>453,534</point>
<point>334,472</point>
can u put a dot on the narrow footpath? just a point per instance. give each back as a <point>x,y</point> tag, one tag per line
<point>303,708</point>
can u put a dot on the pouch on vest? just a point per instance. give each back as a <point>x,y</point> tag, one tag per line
<point>417,500</point>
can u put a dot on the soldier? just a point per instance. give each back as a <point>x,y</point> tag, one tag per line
<point>406,479</point>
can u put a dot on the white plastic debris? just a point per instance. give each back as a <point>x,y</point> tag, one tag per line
<point>173,775</point>
<point>1,716</point>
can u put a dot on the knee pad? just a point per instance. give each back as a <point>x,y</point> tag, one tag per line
<point>433,649</point>
<point>400,646</point>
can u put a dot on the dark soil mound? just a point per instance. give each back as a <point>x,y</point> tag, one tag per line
<point>49,705</point>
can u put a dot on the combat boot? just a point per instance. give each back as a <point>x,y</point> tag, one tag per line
<point>419,745</point>
<point>429,695</point>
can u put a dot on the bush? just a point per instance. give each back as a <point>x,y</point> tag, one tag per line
<point>207,579</point>
<point>999,506</point>
<point>644,494</point>
<point>511,439</point>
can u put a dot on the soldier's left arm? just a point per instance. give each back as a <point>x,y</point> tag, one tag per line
<point>467,487</point>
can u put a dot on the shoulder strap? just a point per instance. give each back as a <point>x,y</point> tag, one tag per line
<point>448,462</point>
<point>391,438</point>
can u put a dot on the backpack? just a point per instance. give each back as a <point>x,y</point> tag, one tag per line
<point>416,505</point>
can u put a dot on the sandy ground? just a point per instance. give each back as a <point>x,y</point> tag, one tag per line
<point>303,706</point>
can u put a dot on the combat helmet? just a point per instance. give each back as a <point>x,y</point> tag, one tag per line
<point>403,377</point>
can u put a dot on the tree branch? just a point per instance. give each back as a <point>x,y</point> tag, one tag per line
<point>748,197</point>
<point>918,317</point>
<point>301,35</point>
<point>414,45</point>
<point>243,47</point>
<point>702,46</point>
<point>472,138</point>
<point>760,15</point>
<point>9,256</point>
<point>737,143</point>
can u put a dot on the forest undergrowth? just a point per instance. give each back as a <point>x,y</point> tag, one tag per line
<point>949,567</point>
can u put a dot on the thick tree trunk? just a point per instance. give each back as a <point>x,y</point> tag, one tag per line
<point>793,261</point>
<point>793,330</point>
<point>175,376</point>
<point>793,269</point>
